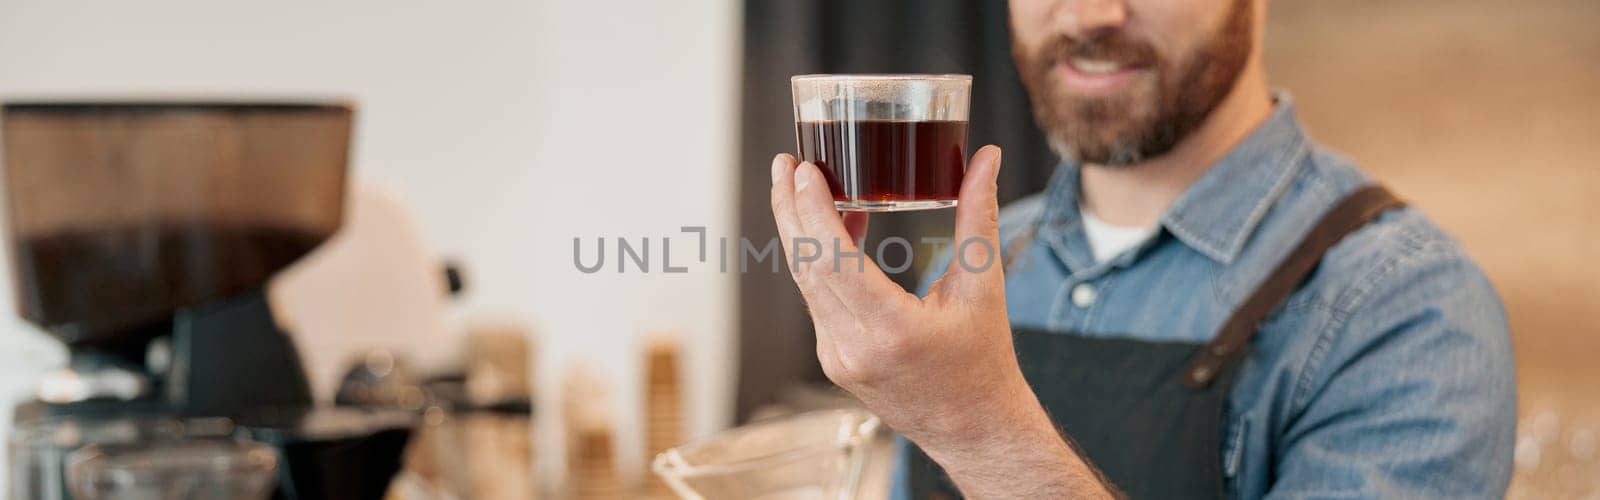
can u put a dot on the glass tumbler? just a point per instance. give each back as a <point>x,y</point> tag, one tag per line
<point>136,458</point>
<point>38,451</point>
<point>189,469</point>
<point>811,456</point>
<point>885,142</point>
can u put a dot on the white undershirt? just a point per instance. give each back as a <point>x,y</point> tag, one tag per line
<point>1107,240</point>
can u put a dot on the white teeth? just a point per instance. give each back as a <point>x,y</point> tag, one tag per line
<point>1093,67</point>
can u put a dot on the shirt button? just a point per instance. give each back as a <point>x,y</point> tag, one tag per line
<point>1083,295</point>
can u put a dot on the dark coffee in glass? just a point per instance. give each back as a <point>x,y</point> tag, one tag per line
<point>886,161</point>
<point>885,142</point>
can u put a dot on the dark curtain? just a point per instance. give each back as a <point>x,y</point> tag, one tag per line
<point>783,38</point>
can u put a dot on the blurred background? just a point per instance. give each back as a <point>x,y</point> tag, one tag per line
<point>490,135</point>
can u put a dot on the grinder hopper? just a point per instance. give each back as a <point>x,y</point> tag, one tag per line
<point>142,235</point>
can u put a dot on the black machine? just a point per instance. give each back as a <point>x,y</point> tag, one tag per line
<point>142,235</point>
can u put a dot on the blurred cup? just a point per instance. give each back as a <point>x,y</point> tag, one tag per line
<point>197,469</point>
<point>135,458</point>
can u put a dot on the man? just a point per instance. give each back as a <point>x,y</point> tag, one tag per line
<point>1200,304</point>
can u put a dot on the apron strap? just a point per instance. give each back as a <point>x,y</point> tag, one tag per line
<point>1355,211</point>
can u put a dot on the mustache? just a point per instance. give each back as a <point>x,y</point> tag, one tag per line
<point>1114,46</point>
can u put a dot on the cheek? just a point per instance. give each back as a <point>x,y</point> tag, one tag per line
<point>1176,28</point>
<point>1030,20</point>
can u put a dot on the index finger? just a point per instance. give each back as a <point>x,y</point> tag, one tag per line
<point>844,268</point>
<point>827,314</point>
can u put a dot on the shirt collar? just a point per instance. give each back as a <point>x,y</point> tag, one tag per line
<point>1216,215</point>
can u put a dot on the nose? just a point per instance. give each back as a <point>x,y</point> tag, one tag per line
<point>1088,17</point>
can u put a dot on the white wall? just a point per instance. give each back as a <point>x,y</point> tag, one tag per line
<point>511,127</point>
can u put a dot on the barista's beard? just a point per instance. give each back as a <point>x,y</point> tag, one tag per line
<point>1147,120</point>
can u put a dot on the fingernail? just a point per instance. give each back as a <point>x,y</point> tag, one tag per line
<point>777,168</point>
<point>802,177</point>
<point>995,151</point>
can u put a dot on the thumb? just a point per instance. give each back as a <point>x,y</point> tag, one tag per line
<point>977,235</point>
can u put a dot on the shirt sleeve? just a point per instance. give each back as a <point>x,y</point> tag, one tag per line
<point>900,483</point>
<point>1413,397</point>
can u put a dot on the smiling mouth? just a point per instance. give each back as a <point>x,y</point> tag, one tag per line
<point>1088,76</point>
<point>1095,67</point>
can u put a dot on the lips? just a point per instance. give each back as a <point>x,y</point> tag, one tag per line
<point>1105,64</point>
<point>1093,77</point>
<point>1095,67</point>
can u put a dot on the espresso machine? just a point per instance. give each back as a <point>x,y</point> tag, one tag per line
<point>142,235</point>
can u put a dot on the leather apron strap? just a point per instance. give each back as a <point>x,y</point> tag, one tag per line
<point>1355,211</point>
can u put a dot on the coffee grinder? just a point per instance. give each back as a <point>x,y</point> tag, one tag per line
<point>142,235</point>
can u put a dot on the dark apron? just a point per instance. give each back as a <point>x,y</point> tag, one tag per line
<point>1148,415</point>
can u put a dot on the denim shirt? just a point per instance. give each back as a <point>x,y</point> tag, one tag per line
<point>1387,374</point>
